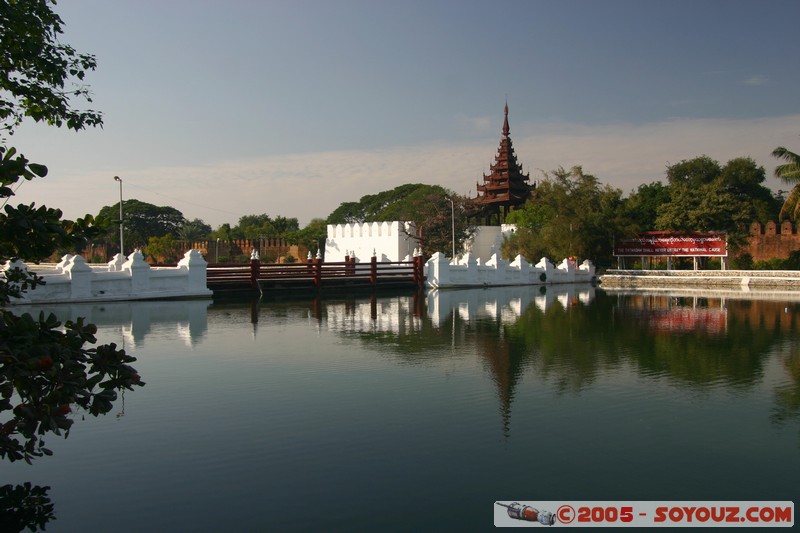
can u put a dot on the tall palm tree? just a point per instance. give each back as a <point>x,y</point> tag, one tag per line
<point>789,172</point>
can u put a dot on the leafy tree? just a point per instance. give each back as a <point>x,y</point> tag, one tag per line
<point>313,235</point>
<point>348,213</point>
<point>642,205</point>
<point>283,227</point>
<point>142,220</point>
<point>571,214</point>
<point>163,249</point>
<point>789,172</point>
<point>263,226</point>
<point>194,230</point>
<point>38,73</point>
<point>743,178</point>
<point>707,197</point>
<point>693,172</point>
<point>372,207</point>
<point>251,226</point>
<point>224,232</point>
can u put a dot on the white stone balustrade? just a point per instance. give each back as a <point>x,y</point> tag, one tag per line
<point>468,272</point>
<point>72,280</point>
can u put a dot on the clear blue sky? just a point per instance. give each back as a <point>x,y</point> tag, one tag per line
<point>289,108</point>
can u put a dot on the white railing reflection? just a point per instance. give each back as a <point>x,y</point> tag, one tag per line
<point>183,319</point>
<point>503,304</point>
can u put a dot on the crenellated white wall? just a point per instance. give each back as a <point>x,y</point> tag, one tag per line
<point>389,241</point>
<point>72,280</point>
<point>469,272</point>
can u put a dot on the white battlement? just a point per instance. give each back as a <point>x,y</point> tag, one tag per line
<point>388,241</point>
<point>468,272</point>
<point>72,280</point>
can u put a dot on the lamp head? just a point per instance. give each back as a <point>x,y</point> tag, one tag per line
<point>117,178</point>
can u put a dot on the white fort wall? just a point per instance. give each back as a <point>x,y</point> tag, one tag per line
<point>469,272</point>
<point>72,280</point>
<point>388,241</point>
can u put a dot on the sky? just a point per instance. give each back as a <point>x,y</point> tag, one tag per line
<point>290,108</point>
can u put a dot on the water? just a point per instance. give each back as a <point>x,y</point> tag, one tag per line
<point>406,413</point>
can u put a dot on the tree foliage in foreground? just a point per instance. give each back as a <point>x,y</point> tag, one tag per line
<point>40,76</point>
<point>46,370</point>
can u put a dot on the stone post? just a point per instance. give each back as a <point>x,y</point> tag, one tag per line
<point>65,260</point>
<point>13,265</point>
<point>80,275</point>
<point>196,270</point>
<point>438,269</point>
<point>546,268</point>
<point>140,273</point>
<point>115,265</point>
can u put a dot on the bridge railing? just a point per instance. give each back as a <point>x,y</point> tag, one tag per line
<point>348,272</point>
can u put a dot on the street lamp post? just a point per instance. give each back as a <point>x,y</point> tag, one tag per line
<point>453,224</point>
<point>121,247</point>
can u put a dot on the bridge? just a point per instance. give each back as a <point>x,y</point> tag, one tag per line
<point>316,276</point>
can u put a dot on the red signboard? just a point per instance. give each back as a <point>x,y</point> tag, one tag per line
<point>664,243</point>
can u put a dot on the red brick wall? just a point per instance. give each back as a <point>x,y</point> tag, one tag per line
<point>268,249</point>
<point>772,241</point>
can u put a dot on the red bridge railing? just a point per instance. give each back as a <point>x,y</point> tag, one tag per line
<point>316,274</point>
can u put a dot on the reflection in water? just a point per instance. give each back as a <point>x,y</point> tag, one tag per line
<point>488,319</point>
<point>567,336</point>
<point>564,335</point>
<point>435,400</point>
<point>186,319</point>
<point>25,506</point>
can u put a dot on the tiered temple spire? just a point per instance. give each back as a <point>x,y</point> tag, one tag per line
<point>506,187</point>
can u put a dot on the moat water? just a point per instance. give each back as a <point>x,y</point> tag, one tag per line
<point>417,413</point>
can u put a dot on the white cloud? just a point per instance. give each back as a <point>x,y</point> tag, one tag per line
<point>756,80</point>
<point>314,184</point>
<point>475,125</point>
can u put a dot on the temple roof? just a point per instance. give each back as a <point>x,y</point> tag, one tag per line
<point>506,185</point>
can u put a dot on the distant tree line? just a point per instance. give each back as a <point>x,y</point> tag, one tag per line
<point>160,229</point>
<point>570,213</point>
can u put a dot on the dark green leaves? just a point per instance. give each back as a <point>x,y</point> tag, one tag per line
<point>39,73</point>
<point>25,506</point>
<point>53,375</point>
